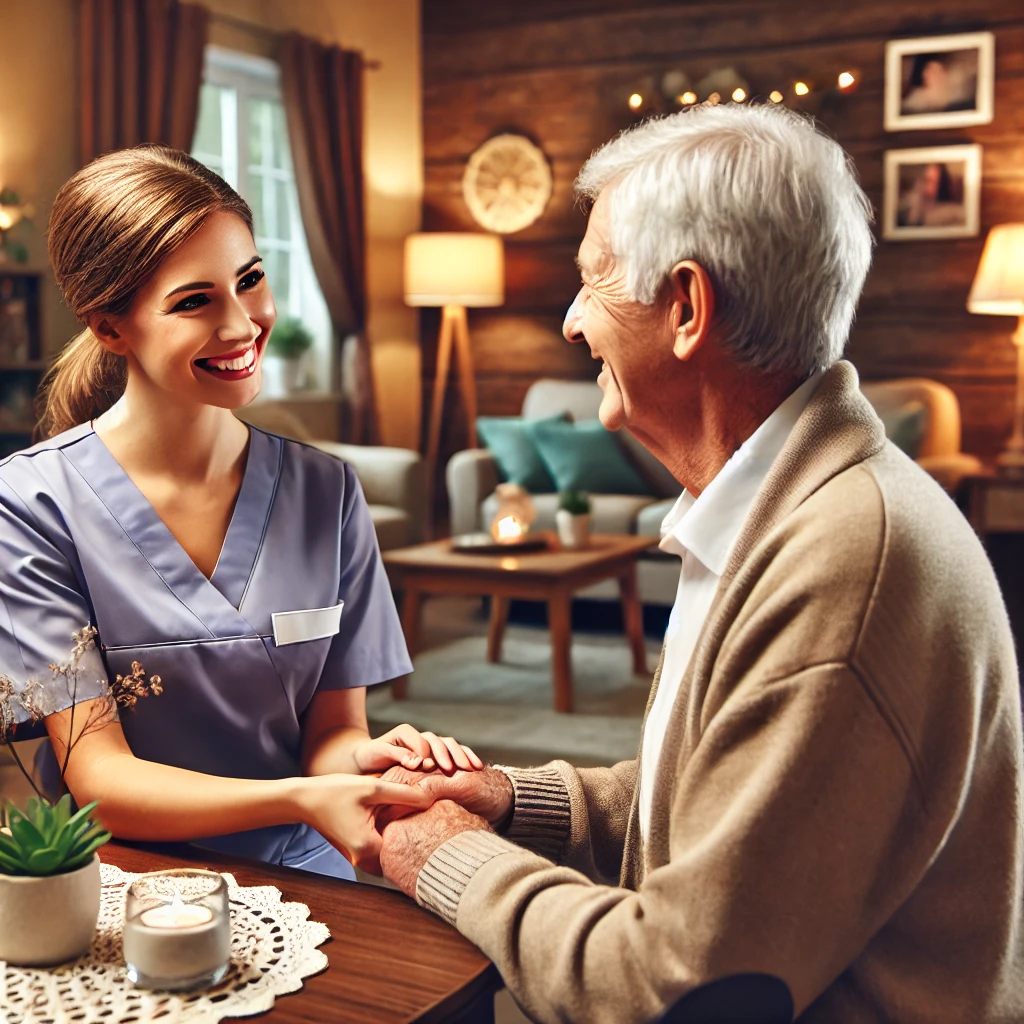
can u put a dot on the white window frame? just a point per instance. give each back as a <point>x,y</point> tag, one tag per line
<point>258,78</point>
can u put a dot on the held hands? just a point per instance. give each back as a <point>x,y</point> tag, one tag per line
<point>342,809</point>
<point>466,801</point>
<point>487,793</point>
<point>416,751</point>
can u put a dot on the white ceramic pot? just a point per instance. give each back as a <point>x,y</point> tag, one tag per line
<point>573,531</point>
<point>49,920</point>
<point>294,374</point>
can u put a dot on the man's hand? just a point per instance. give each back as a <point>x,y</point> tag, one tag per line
<point>487,793</point>
<point>409,842</point>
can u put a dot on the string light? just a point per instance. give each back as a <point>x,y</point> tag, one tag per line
<point>775,96</point>
<point>715,98</point>
<point>688,98</point>
<point>846,79</point>
<point>801,88</point>
<point>739,95</point>
<point>636,101</point>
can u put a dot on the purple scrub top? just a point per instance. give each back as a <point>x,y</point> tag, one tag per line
<point>80,545</point>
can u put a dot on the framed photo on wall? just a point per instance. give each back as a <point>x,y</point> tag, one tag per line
<point>933,192</point>
<point>939,81</point>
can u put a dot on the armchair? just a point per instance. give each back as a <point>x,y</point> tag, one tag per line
<point>394,480</point>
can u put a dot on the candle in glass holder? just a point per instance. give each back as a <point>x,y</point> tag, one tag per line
<point>177,930</point>
<point>514,514</point>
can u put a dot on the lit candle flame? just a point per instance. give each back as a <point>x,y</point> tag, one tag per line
<point>509,529</point>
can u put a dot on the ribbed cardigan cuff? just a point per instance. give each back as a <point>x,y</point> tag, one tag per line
<point>443,879</point>
<point>540,821</point>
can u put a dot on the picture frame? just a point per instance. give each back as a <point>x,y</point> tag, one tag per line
<point>939,81</point>
<point>932,192</point>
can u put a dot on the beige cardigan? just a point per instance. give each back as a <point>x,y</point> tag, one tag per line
<point>839,796</point>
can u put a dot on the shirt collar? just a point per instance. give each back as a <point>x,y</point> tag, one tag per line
<point>707,526</point>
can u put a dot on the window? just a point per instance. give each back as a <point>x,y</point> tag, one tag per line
<point>241,134</point>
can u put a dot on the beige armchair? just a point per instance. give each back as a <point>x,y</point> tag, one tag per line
<point>939,453</point>
<point>394,480</point>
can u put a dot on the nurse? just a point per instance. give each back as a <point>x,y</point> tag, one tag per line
<point>240,567</point>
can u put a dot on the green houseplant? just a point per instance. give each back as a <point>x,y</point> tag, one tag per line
<point>573,518</point>
<point>289,341</point>
<point>49,870</point>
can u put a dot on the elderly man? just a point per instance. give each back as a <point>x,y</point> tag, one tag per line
<point>828,787</point>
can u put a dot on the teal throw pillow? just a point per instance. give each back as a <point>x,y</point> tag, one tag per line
<point>905,426</point>
<point>510,441</point>
<point>586,457</point>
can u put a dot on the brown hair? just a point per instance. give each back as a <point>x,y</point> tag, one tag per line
<point>110,227</point>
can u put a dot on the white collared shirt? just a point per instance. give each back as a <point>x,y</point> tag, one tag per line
<point>702,531</point>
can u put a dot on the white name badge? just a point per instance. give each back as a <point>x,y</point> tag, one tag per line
<point>306,624</point>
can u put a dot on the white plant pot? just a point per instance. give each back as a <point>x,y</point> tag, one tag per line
<point>294,374</point>
<point>573,531</point>
<point>282,377</point>
<point>49,920</point>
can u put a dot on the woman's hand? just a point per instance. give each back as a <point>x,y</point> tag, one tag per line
<point>417,751</point>
<point>341,808</point>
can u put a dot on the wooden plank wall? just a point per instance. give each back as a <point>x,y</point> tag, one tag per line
<point>559,71</point>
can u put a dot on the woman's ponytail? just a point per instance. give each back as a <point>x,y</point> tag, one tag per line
<point>84,381</point>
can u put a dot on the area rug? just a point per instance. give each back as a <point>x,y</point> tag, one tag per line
<point>504,711</point>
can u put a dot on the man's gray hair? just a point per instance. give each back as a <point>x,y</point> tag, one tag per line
<point>765,203</point>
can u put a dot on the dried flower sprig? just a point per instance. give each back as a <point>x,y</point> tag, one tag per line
<point>39,699</point>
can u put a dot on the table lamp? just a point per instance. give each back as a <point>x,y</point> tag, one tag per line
<point>453,270</point>
<point>999,288</point>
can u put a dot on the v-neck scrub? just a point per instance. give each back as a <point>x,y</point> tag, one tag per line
<point>81,545</point>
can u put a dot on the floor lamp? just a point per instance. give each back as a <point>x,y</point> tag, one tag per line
<point>999,288</point>
<point>452,270</point>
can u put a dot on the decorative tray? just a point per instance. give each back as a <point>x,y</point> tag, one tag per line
<point>485,544</point>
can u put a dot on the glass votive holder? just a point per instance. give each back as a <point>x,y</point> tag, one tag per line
<point>177,929</point>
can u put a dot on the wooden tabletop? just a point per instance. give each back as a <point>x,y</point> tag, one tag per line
<point>390,961</point>
<point>553,562</point>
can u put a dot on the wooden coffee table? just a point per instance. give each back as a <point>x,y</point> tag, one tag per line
<point>552,575</point>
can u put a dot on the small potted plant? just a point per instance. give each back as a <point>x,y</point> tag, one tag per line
<point>573,519</point>
<point>288,343</point>
<point>49,869</point>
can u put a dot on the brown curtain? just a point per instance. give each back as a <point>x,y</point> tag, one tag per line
<point>323,97</point>
<point>141,65</point>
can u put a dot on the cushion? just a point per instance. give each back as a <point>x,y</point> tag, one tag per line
<point>650,519</point>
<point>905,426</point>
<point>660,482</point>
<point>586,457</point>
<point>510,440</point>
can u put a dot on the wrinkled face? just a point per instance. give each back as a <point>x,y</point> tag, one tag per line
<point>633,341</point>
<point>198,327</point>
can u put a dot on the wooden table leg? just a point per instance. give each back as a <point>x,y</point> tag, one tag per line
<point>496,627</point>
<point>412,602</point>
<point>633,619</point>
<point>560,624</point>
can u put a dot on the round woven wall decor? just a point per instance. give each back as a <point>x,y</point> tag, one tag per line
<point>507,184</point>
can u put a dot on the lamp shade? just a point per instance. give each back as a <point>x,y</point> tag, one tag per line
<point>454,269</point>
<point>999,283</point>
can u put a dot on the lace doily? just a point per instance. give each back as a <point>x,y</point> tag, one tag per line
<point>273,947</point>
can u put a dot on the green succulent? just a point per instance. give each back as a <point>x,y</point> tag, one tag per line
<point>289,338</point>
<point>47,839</point>
<point>576,503</point>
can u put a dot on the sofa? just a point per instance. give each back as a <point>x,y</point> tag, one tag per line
<point>931,409</point>
<point>394,480</point>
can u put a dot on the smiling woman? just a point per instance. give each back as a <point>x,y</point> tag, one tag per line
<point>153,515</point>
